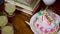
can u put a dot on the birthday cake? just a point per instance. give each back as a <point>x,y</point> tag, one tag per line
<point>44,23</point>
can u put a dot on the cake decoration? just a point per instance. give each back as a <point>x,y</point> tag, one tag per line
<point>40,13</point>
<point>45,23</point>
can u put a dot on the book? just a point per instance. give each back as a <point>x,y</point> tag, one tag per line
<point>29,5</point>
<point>25,1</point>
<point>24,10</point>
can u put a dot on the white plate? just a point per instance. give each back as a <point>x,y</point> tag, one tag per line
<point>59,32</point>
<point>31,23</point>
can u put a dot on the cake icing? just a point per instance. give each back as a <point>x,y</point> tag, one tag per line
<point>45,23</point>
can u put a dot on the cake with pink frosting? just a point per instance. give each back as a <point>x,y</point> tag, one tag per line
<point>44,23</point>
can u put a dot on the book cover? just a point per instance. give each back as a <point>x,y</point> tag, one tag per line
<point>29,3</point>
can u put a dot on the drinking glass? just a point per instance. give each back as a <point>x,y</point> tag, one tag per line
<point>3,21</point>
<point>10,8</point>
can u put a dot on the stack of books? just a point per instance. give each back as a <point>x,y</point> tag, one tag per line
<point>28,6</point>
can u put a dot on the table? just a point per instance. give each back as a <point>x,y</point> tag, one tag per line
<point>18,21</point>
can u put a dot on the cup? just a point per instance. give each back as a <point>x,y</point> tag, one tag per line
<point>10,8</point>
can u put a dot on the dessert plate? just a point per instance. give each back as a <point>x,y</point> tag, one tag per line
<point>32,26</point>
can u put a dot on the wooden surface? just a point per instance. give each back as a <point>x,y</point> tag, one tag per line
<point>19,24</point>
<point>19,19</point>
